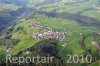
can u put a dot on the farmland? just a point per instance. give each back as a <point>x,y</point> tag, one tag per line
<point>57,28</point>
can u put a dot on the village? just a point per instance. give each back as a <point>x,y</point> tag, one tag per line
<point>46,32</point>
<point>94,42</point>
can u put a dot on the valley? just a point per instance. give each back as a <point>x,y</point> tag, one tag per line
<point>56,28</point>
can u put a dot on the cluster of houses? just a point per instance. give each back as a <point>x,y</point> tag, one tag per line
<point>96,33</point>
<point>97,9</point>
<point>45,32</point>
<point>7,49</point>
<point>50,34</point>
<point>36,25</point>
<point>94,42</point>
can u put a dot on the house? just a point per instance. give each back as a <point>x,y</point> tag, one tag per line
<point>65,45</point>
<point>94,42</point>
<point>27,52</point>
<point>8,49</point>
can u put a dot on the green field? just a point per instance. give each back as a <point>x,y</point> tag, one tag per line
<point>4,6</point>
<point>23,32</point>
<point>69,6</point>
<point>92,13</point>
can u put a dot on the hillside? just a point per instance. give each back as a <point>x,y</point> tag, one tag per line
<point>68,30</point>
